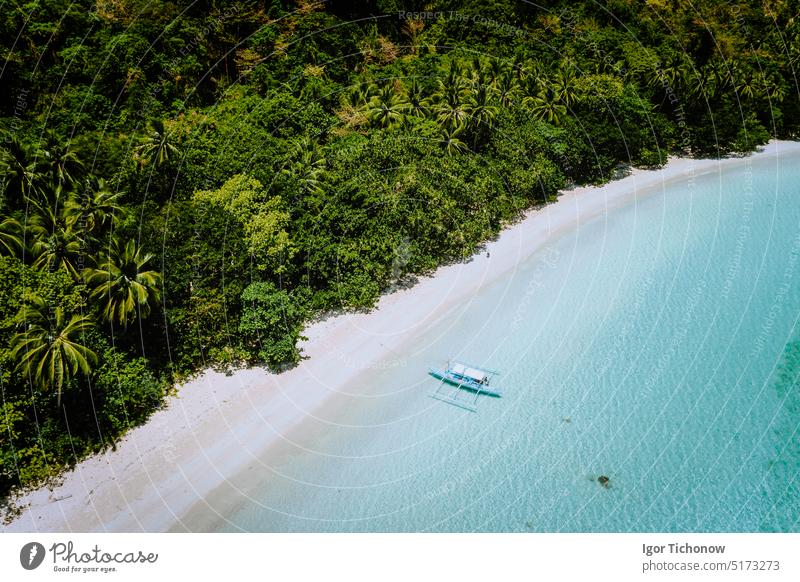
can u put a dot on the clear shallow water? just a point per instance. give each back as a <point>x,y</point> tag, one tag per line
<point>656,345</point>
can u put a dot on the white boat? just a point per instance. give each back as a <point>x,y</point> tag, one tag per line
<point>467,377</point>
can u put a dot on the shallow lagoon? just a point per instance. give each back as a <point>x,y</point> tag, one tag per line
<point>654,345</point>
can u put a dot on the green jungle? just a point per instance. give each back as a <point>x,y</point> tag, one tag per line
<point>186,184</point>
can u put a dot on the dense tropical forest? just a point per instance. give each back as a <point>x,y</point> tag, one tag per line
<point>184,184</point>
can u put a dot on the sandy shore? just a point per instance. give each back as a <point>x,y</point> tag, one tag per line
<point>218,424</point>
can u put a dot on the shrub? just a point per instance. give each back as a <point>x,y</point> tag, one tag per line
<point>270,324</point>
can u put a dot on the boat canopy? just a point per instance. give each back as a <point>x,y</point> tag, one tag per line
<point>473,373</point>
<point>461,376</point>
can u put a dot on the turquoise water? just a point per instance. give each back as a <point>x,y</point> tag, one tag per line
<point>657,345</point>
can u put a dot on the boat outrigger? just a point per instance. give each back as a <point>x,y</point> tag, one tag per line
<point>464,377</point>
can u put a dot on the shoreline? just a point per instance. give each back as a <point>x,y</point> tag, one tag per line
<point>219,424</point>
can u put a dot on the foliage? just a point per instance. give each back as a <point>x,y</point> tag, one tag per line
<point>127,391</point>
<point>271,323</point>
<point>48,349</point>
<point>190,184</point>
<point>261,216</point>
<point>123,284</point>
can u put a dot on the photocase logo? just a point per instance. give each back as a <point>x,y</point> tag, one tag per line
<point>31,555</point>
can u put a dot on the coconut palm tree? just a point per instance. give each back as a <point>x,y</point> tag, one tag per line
<point>157,147</point>
<point>531,75</point>
<point>412,28</point>
<point>124,283</point>
<point>451,142</point>
<point>564,85</point>
<point>21,170</point>
<point>455,75</point>
<point>93,207</point>
<point>12,238</point>
<point>308,167</point>
<point>506,89</point>
<point>353,111</point>
<point>698,84</point>
<point>55,244</point>
<point>418,103</point>
<point>360,95</point>
<point>547,106</point>
<point>48,351</point>
<point>450,102</point>
<point>716,78</point>
<point>521,67</point>
<point>370,46</point>
<point>497,68</point>
<point>793,53</point>
<point>387,108</point>
<point>531,87</point>
<point>478,73</point>
<point>482,112</point>
<point>62,163</point>
<point>668,75</point>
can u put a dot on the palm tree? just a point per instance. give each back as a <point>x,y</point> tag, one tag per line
<point>55,243</point>
<point>354,104</point>
<point>411,29</point>
<point>450,110</point>
<point>12,239</point>
<point>699,84</point>
<point>20,168</point>
<point>497,68</point>
<point>793,52</point>
<point>564,85</point>
<point>47,351</point>
<point>519,67</point>
<point>124,282</point>
<point>454,74</point>
<point>157,147</point>
<point>547,106</point>
<point>531,75</point>
<point>308,169</point>
<point>481,111</point>
<point>451,143</point>
<point>669,75</point>
<point>417,103</point>
<point>531,86</point>
<point>387,108</point>
<point>360,94</point>
<point>63,164</point>
<point>94,206</point>
<point>370,44</point>
<point>506,88</point>
<point>478,73</point>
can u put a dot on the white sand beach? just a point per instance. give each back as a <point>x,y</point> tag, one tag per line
<point>218,424</point>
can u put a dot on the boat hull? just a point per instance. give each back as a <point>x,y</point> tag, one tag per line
<point>465,383</point>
